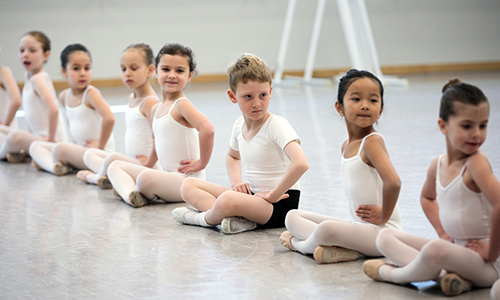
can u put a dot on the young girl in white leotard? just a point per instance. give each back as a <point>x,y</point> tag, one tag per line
<point>461,199</point>
<point>137,67</point>
<point>370,182</point>
<point>10,99</point>
<point>183,137</point>
<point>89,116</point>
<point>39,101</point>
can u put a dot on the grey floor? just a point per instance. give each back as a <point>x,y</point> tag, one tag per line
<point>63,239</point>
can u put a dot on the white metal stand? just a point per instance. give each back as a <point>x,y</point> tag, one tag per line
<point>359,39</point>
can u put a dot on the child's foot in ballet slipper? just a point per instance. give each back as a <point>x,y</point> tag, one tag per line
<point>452,284</point>
<point>334,254</point>
<point>35,165</point>
<point>370,267</point>
<point>235,225</point>
<point>61,169</point>
<point>17,157</point>
<point>179,213</point>
<point>136,199</point>
<point>104,183</point>
<point>82,175</point>
<point>286,240</point>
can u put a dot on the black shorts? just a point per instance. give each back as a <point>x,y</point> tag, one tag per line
<point>281,208</point>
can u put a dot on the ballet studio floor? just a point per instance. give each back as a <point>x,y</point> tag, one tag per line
<point>63,239</point>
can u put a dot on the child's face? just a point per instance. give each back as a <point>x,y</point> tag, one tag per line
<point>252,98</point>
<point>135,71</point>
<point>78,70</point>
<point>362,103</point>
<point>173,73</point>
<point>466,130</point>
<point>31,54</point>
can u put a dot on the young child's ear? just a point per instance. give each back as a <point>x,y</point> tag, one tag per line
<point>339,108</point>
<point>151,70</point>
<point>442,126</point>
<point>231,95</point>
<point>63,71</point>
<point>46,55</point>
<point>190,75</point>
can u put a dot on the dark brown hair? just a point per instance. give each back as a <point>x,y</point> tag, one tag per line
<point>458,91</point>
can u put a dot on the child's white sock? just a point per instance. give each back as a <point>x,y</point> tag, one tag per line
<point>196,218</point>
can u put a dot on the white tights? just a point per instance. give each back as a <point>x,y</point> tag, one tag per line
<point>422,259</point>
<point>311,230</point>
<point>98,161</point>
<point>128,177</point>
<point>495,291</point>
<point>13,140</point>
<point>46,154</point>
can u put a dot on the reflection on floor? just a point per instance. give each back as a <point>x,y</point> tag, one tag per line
<point>63,239</point>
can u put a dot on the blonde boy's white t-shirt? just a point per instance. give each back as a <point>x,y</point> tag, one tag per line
<point>263,157</point>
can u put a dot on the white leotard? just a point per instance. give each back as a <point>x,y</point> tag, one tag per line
<point>263,158</point>
<point>5,102</point>
<point>363,186</point>
<point>85,122</point>
<point>175,142</point>
<point>36,112</point>
<point>463,213</point>
<point>138,133</point>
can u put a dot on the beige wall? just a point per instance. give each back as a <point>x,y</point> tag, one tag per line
<point>407,32</point>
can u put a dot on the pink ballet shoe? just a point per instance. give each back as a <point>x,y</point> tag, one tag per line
<point>286,240</point>
<point>334,254</point>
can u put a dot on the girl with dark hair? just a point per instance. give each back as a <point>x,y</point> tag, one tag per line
<point>371,183</point>
<point>89,117</point>
<point>461,199</point>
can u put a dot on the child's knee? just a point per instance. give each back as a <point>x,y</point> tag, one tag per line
<point>291,216</point>
<point>384,238</point>
<point>14,137</point>
<point>114,166</point>
<point>225,203</point>
<point>88,154</point>
<point>434,251</point>
<point>33,147</point>
<point>144,180</point>
<point>58,151</point>
<point>326,231</point>
<point>187,185</point>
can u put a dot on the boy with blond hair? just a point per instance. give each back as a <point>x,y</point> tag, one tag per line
<point>270,152</point>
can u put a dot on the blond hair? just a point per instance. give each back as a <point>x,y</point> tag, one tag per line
<point>248,67</point>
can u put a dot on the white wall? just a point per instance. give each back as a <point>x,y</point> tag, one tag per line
<point>407,32</point>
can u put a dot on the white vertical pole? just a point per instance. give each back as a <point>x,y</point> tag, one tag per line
<point>370,50</point>
<point>350,34</point>
<point>278,74</point>
<point>314,40</point>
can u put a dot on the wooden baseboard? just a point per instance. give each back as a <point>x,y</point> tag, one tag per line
<point>322,73</point>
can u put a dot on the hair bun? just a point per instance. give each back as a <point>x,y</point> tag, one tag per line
<point>450,83</point>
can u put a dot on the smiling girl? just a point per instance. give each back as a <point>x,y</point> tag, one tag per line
<point>39,101</point>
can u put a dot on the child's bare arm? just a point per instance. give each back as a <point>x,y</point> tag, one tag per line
<point>298,166</point>
<point>50,101</point>
<point>376,153</point>
<point>12,89</point>
<point>480,170</point>
<point>206,136</point>
<point>98,103</point>
<point>153,157</point>
<point>233,166</point>
<point>429,203</point>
